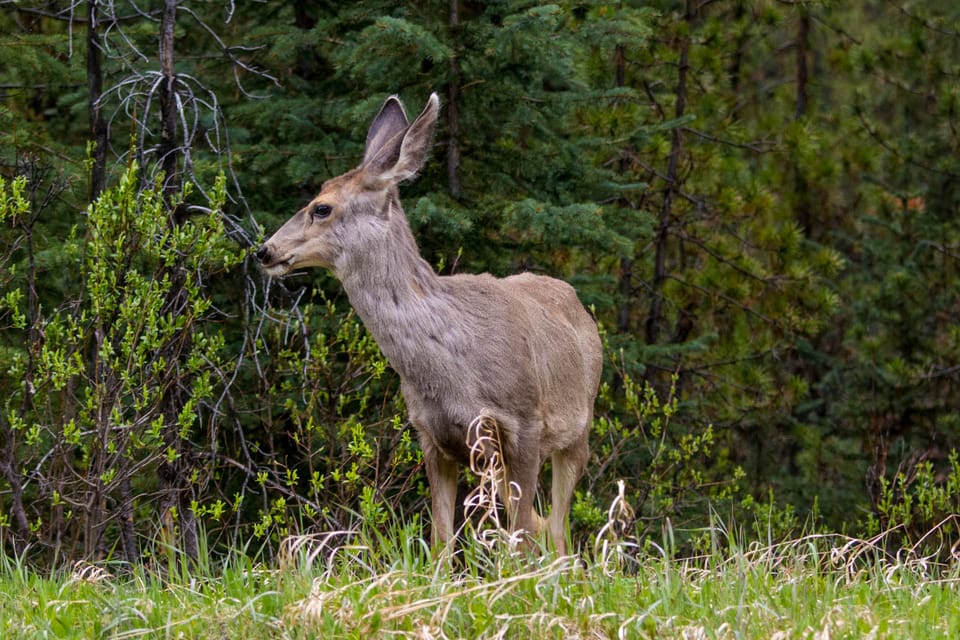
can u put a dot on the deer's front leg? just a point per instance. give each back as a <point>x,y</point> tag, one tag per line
<point>442,477</point>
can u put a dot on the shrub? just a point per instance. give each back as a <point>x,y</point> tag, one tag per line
<point>112,389</point>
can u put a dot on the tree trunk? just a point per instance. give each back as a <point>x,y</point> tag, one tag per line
<point>803,50</point>
<point>98,130</point>
<point>625,284</point>
<point>625,287</point>
<point>10,473</point>
<point>736,65</point>
<point>168,103</point>
<point>804,208</point>
<point>453,105</point>
<point>128,533</point>
<point>655,317</point>
<point>175,475</point>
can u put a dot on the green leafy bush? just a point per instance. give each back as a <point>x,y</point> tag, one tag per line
<point>110,393</point>
<point>672,467</point>
<point>919,510</point>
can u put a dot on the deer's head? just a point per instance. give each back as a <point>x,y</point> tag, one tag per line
<point>352,206</point>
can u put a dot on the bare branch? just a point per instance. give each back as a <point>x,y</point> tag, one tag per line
<point>229,53</point>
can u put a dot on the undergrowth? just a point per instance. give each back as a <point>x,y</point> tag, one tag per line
<point>373,582</point>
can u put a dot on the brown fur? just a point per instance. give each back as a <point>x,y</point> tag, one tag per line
<point>520,350</point>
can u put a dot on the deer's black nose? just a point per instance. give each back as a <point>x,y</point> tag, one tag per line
<point>263,253</point>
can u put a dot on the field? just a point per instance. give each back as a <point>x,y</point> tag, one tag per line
<point>355,585</point>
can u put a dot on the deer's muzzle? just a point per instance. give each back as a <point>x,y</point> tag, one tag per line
<point>273,265</point>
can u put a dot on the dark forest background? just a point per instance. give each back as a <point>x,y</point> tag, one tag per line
<point>758,198</point>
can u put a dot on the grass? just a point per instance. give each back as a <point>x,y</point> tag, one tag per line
<point>368,585</point>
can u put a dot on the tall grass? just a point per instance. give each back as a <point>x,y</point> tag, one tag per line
<point>386,583</point>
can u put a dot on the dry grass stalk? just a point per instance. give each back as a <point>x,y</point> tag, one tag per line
<point>612,542</point>
<point>389,598</point>
<point>316,549</point>
<point>486,463</point>
<point>89,573</point>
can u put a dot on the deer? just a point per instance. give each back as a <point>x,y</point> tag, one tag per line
<point>522,352</point>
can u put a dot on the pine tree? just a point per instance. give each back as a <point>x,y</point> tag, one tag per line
<point>726,288</point>
<point>893,386</point>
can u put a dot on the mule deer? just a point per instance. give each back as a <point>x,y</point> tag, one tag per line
<point>520,351</point>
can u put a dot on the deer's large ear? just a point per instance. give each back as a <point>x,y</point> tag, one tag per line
<point>384,135</point>
<point>401,157</point>
<point>417,141</point>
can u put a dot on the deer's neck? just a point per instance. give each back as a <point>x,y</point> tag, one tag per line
<point>398,297</point>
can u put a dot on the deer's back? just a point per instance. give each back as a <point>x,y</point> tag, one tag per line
<point>535,323</point>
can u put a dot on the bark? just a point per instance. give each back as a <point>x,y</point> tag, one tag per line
<point>736,65</point>
<point>98,129</point>
<point>803,73</point>
<point>128,534</point>
<point>453,105</point>
<point>11,474</point>
<point>168,101</point>
<point>95,512</point>
<point>655,317</point>
<point>175,476</point>
<point>625,284</point>
<point>804,208</point>
<point>620,63</point>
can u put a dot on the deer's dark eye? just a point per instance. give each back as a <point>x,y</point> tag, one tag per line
<point>320,211</point>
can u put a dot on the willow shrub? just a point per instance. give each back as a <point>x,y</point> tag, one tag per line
<point>918,512</point>
<point>109,389</point>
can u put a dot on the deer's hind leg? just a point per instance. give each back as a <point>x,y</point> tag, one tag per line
<point>518,488</point>
<point>568,465</point>
<point>514,466</point>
